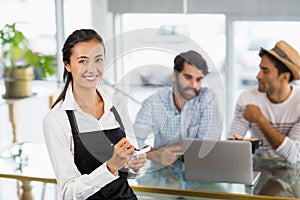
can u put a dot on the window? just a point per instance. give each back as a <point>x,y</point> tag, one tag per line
<point>249,37</point>
<point>159,38</point>
<point>38,25</point>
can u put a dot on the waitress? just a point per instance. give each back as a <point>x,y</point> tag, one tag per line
<point>83,131</point>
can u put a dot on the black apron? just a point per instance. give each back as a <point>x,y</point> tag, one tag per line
<point>92,149</point>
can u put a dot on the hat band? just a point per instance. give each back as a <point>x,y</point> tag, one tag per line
<point>281,54</point>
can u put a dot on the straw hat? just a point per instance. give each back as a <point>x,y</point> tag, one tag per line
<point>288,56</point>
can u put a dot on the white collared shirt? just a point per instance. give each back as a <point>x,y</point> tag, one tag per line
<point>59,142</point>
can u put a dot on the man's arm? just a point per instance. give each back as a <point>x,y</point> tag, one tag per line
<point>211,120</point>
<point>143,125</point>
<point>166,155</point>
<point>239,125</point>
<point>287,146</point>
<point>253,114</point>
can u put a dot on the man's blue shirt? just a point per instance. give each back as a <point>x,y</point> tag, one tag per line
<point>159,118</point>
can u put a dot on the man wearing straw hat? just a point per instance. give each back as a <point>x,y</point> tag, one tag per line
<point>272,110</point>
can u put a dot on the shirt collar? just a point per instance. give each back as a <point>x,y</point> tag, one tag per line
<point>188,104</point>
<point>70,103</point>
<point>171,102</point>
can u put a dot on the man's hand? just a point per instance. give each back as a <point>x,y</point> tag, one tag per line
<point>236,136</point>
<point>252,113</point>
<point>165,155</point>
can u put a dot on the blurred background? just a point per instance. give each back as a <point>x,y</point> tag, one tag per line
<point>231,32</point>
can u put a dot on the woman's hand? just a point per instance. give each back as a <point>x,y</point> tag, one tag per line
<point>137,162</point>
<point>122,153</point>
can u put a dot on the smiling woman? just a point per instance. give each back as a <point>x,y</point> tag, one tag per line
<point>95,153</point>
<point>88,65</point>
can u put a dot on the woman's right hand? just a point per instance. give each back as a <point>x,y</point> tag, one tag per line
<point>122,153</point>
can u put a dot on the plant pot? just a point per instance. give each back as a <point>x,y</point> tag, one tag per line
<point>18,82</point>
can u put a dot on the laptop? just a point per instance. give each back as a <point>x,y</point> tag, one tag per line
<point>227,161</point>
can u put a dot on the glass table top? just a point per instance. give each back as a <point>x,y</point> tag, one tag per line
<point>278,179</point>
<point>30,161</point>
<point>27,161</point>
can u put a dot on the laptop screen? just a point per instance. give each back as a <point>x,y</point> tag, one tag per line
<point>218,161</point>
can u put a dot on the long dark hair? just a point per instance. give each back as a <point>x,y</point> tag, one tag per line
<point>82,35</point>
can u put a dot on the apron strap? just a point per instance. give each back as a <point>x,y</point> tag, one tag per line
<point>72,120</point>
<point>117,117</point>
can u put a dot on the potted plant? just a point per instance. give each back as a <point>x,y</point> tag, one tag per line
<point>19,62</point>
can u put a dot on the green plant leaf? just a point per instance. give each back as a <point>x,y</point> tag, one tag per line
<point>15,46</point>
